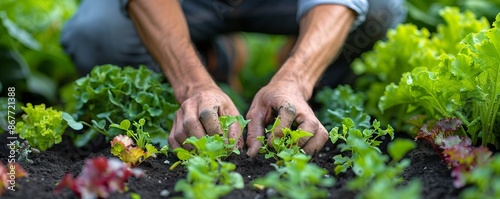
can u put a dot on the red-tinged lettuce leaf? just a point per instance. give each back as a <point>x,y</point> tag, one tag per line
<point>69,182</point>
<point>132,156</point>
<point>449,125</point>
<point>100,177</point>
<point>482,156</point>
<point>458,151</point>
<point>458,176</point>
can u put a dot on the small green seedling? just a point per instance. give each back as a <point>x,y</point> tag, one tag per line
<point>297,178</point>
<point>214,147</point>
<point>208,175</point>
<point>289,143</point>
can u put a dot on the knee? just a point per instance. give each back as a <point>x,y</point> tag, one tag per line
<point>82,39</point>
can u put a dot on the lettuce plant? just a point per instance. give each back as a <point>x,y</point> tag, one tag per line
<point>100,177</point>
<point>110,94</point>
<point>473,168</point>
<point>8,175</point>
<point>123,147</point>
<point>456,151</point>
<point>405,49</point>
<point>41,127</point>
<point>297,178</point>
<point>465,85</point>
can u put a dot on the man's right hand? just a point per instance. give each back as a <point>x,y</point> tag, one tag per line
<point>199,115</point>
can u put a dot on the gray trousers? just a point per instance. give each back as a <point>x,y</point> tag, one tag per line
<point>101,33</point>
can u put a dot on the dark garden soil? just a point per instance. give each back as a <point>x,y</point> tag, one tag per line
<point>50,166</point>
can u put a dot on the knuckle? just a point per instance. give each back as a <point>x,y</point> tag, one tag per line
<point>290,109</point>
<point>315,124</point>
<point>323,134</point>
<point>189,122</point>
<point>179,137</point>
<point>207,114</point>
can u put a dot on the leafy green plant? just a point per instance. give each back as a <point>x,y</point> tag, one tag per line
<point>288,143</point>
<point>375,173</point>
<point>30,52</point>
<point>355,141</point>
<point>209,179</point>
<point>41,127</point>
<point>214,148</point>
<point>341,102</point>
<point>110,94</point>
<point>123,147</point>
<point>427,13</point>
<point>209,176</point>
<point>465,85</point>
<point>297,178</point>
<point>405,49</point>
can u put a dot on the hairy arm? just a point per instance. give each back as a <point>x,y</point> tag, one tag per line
<point>323,31</point>
<point>163,29</point>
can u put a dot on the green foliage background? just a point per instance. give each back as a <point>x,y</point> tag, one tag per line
<point>31,57</point>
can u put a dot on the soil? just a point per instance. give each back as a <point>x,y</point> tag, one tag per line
<point>50,166</point>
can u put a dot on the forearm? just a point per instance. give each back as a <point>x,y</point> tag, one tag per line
<point>322,33</point>
<point>163,30</point>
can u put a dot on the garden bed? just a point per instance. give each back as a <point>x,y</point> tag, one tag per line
<point>50,166</point>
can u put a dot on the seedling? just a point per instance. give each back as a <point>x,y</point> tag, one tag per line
<point>297,178</point>
<point>100,177</point>
<point>356,140</point>
<point>375,174</point>
<point>208,175</point>
<point>289,143</point>
<point>209,179</point>
<point>24,149</point>
<point>215,147</point>
<point>123,146</point>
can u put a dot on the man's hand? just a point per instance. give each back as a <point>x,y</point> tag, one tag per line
<point>322,32</point>
<point>286,101</point>
<point>199,115</point>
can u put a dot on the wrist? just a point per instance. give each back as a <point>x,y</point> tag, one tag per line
<point>294,72</point>
<point>188,85</point>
